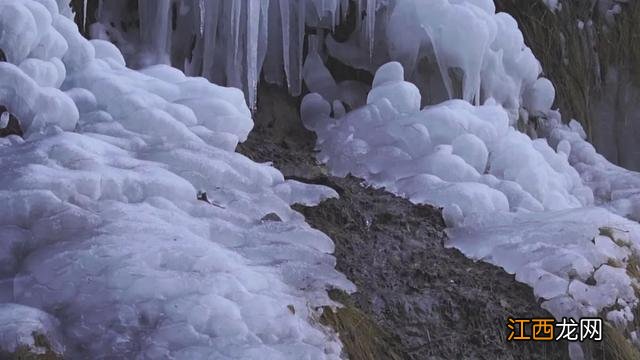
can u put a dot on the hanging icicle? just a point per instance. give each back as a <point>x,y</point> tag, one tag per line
<point>253,27</point>
<point>370,24</point>
<point>202,15</point>
<point>84,16</point>
<point>155,30</point>
<point>229,41</point>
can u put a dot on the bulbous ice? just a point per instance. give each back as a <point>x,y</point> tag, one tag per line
<point>102,237</point>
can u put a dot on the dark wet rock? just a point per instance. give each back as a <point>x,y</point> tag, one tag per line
<point>430,302</point>
<point>271,217</point>
<point>13,125</point>
<point>202,196</point>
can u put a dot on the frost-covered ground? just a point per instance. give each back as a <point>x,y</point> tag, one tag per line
<point>104,247</point>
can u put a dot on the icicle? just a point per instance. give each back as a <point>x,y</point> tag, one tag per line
<point>370,25</point>
<point>194,55</point>
<point>236,9</point>
<point>293,27</point>
<point>202,15</point>
<point>212,13</point>
<point>442,66</point>
<point>233,62</point>
<point>297,71</point>
<point>84,16</point>
<point>155,28</point>
<point>285,16</point>
<point>263,34</point>
<point>253,27</point>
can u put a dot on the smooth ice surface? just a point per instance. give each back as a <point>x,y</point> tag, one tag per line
<point>103,244</point>
<point>508,199</point>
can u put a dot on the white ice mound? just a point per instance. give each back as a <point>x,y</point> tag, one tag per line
<point>510,200</point>
<point>469,153</point>
<point>100,227</point>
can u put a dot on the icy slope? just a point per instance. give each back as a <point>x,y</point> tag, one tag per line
<point>510,200</point>
<point>100,228</point>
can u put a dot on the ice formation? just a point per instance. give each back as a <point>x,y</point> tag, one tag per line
<point>614,187</point>
<point>104,247</point>
<point>230,42</point>
<point>551,210</point>
<point>106,250</point>
<point>489,59</point>
<point>270,36</point>
<point>509,200</point>
<point>553,5</point>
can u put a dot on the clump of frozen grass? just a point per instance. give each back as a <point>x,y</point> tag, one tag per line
<point>363,338</point>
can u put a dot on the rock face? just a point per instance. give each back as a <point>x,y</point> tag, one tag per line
<point>432,301</point>
<point>589,51</point>
<point>13,125</point>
